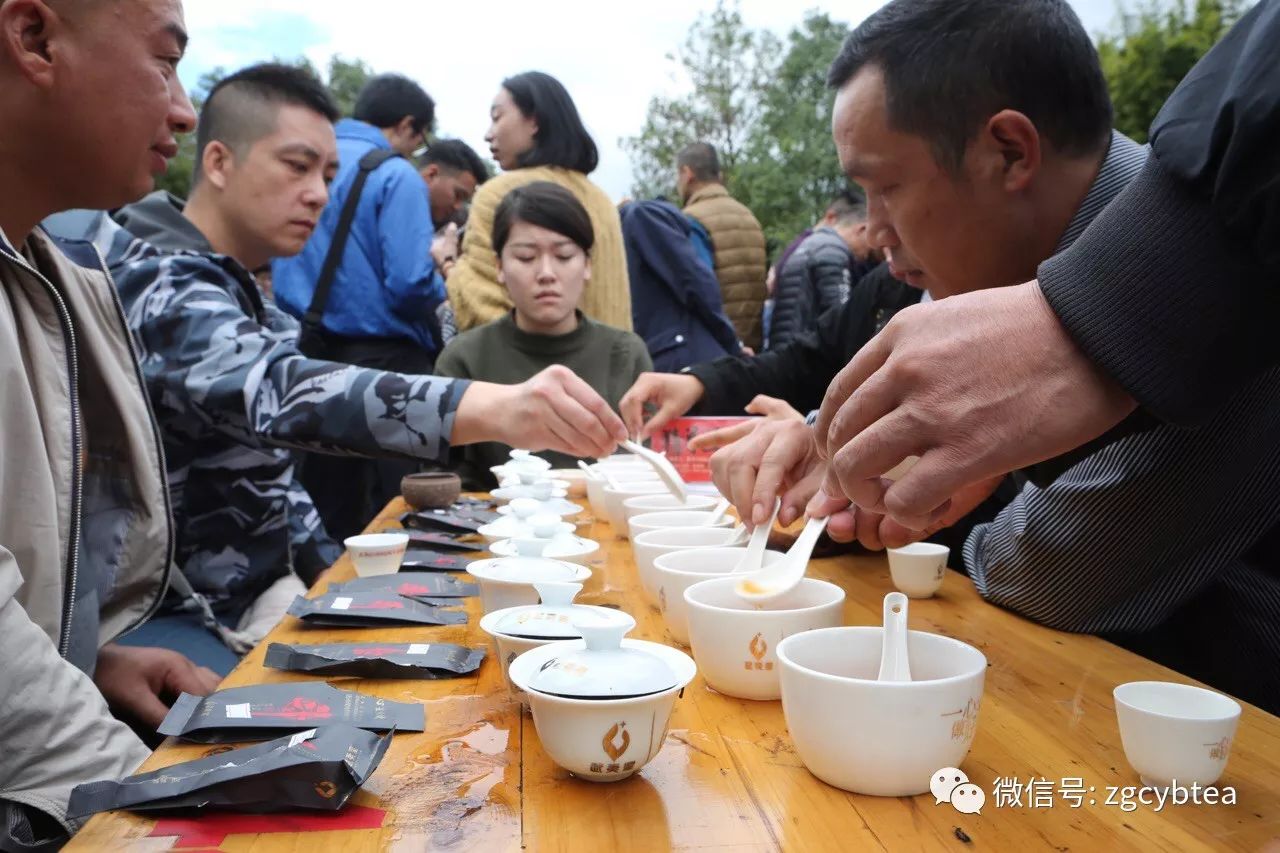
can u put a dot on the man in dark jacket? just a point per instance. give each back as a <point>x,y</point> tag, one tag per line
<point>231,391</point>
<point>797,372</point>
<point>675,297</point>
<point>822,270</point>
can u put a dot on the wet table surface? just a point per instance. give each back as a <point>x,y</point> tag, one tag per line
<point>727,777</point>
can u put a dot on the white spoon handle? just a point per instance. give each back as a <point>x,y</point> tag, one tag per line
<point>717,513</point>
<point>753,560</point>
<point>893,657</point>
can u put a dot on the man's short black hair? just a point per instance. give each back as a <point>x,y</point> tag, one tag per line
<point>547,205</point>
<point>702,159</point>
<point>386,99</point>
<point>949,65</point>
<point>562,139</point>
<point>847,207</point>
<point>242,108</point>
<point>455,155</point>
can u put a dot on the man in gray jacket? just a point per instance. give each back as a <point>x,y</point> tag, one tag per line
<point>85,537</point>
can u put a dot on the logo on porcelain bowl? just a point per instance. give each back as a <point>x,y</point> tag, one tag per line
<point>616,741</point>
<point>757,648</point>
<point>1220,750</point>
<point>962,729</point>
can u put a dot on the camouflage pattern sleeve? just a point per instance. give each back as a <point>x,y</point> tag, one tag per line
<point>311,548</point>
<point>225,362</point>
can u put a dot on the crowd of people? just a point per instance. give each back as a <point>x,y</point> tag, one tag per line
<point>204,395</point>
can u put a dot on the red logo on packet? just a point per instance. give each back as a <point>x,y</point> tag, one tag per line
<point>300,709</point>
<point>379,605</point>
<point>375,651</point>
<point>413,589</point>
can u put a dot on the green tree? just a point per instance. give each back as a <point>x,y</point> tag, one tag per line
<point>1153,50</point>
<point>728,66</point>
<point>346,79</point>
<point>790,170</point>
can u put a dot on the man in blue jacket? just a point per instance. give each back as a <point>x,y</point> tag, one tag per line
<point>387,283</point>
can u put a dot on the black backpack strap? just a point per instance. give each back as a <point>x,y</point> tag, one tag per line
<point>320,299</point>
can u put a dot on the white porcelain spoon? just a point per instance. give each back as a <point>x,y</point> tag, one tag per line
<point>780,578</point>
<point>717,513</point>
<point>753,559</point>
<point>591,475</point>
<point>893,656</point>
<point>667,473</point>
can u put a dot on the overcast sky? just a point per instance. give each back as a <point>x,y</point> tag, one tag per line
<point>612,62</point>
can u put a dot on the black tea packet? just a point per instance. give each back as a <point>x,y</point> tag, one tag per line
<point>377,660</point>
<point>441,520</point>
<point>416,584</point>
<point>424,559</point>
<point>371,609</point>
<point>316,769</point>
<point>265,710</point>
<point>451,541</point>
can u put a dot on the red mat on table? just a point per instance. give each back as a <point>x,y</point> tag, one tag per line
<point>211,829</point>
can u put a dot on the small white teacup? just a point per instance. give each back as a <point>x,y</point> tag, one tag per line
<point>377,553</point>
<point>918,569</point>
<point>652,544</point>
<point>1175,732</point>
<point>733,640</point>
<point>680,570</point>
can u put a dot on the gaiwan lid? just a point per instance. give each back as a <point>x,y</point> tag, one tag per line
<point>528,570</point>
<point>518,519</point>
<point>525,507</point>
<point>552,619</point>
<point>605,669</point>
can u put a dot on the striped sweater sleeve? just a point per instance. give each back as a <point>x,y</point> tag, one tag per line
<point>1125,537</point>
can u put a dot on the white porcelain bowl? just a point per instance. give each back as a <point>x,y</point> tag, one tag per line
<point>601,740</point>
<point>884,738</point>
<point>664,501</point>
<point>575,481</point>
<point>627,474</point>
<point>377,553</point>
<point>508,581</point>
<point>651,544</point>
<point>510,647</point>
<point>680,570</point>
<point>674,518</point>
<point>613,498</point>
<point>735,642</point>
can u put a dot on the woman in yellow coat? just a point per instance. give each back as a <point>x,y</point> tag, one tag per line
<point>535,134</point>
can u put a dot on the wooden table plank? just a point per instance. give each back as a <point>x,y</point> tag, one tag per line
<point>728,778</point>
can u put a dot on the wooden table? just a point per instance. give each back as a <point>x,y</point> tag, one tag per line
<point>728,778</point>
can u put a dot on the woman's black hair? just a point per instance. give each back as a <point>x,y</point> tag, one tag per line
<point>547,205</point>
<point>561,140</point>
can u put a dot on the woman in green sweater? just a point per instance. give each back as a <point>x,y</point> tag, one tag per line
<point>542,236</point>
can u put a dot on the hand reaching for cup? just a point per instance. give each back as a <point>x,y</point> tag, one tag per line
<point>673,394</point>
<point>555,410</point>
<point>444,248</point>
<point>769,407</point>
<point>778,456</point>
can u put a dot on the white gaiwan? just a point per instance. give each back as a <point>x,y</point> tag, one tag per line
<point>515,522</point>
<point>540,490</point>
<point>601,704</point>
<point>516,630</point>
<point>554,506</point>
<point>508,581</point>
<point>548,537</point>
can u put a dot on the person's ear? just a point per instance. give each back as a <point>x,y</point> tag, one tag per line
<point>586,270</point>
<point>216,164</point>
<point>29,33</point>
<point>430,172</point>
<point>502,278</point>
<point>1013,137</point>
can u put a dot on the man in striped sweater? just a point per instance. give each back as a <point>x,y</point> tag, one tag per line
<point>1162,539</point>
